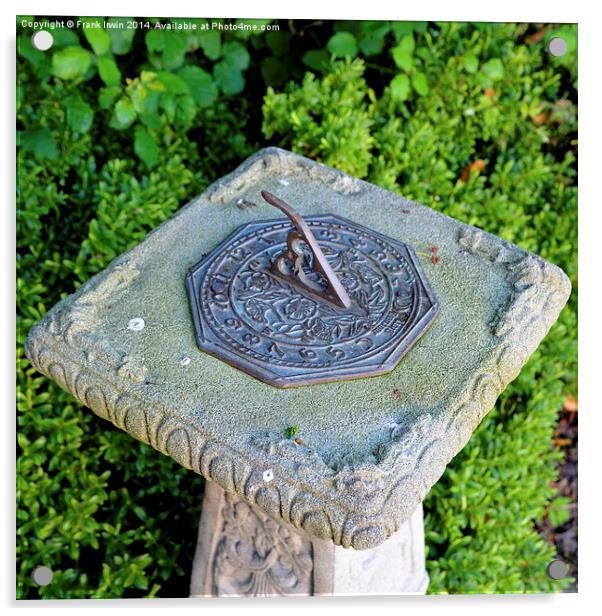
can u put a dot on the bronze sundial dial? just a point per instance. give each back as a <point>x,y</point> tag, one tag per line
<point>297,301</point>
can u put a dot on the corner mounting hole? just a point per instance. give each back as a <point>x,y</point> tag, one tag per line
<point>557,47</point>
<point>42,576</point>
<point>42,40</point>
<point>557,569</point>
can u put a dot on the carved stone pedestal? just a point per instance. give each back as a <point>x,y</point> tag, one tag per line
<point>241,551</point>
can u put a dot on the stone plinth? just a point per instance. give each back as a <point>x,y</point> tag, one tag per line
<point>242,551</point>
<point>371,448</point>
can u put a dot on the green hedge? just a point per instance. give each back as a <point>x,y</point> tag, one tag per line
<point>117,130</point>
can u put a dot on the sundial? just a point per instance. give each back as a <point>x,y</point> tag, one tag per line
<point>319,283</point>
<point>298,301</point>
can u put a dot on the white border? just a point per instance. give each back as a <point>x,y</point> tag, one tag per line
<point>590,24</point>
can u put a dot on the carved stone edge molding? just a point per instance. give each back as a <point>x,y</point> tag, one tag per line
<point>70,320</point>
<point>536,284</point>
<point>358,506</point>
<point>283,163</point>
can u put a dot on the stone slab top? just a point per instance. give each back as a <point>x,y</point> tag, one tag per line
<point>124,345</point>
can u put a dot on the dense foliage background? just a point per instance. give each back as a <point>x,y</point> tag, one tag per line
<point>118,128</point>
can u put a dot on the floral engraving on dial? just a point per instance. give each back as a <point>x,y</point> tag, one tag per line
<point>244,311</point>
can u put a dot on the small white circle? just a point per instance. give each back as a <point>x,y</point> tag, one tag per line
<point>268,475</point>
<point>42,40</point>
<point>557,46</point>
<point>136,324</point>
<point>185,361</point>
<point>42,576</point>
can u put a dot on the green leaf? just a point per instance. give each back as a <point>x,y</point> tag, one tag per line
<point>154,41</point>
<point>186,110</point>
<point>109,73</point>
<point>403,53</point>
<point>210,42</point>
<point>108,96</point>
<point>63,37</point>
<point>274,71</point>
<point>402,28</point>
<point>201,85</point>
<point>173,83</point>
<point>121,36</point>
<point>346,25</point>
<point>167,49</point>
<point>403,59</point>
<point>99,40</point>
<point>558,511</point>
<point>71,63</point>
<point>425,53</point>
<point>123,114</point>
<point>494,69</point>
<point>236,55</point>
<point>29,52</point>
<point>79,114</point>
<point>372,37</point>
<point>228,78</point>
<point>147,101</point>
<point>278,42</point>
<point>40,142</point>
<point>291,431</point>
<point>316,59</point>
<point>400,87</point>
<point>420,83</point>
<point>174,50</point>
<point>342,44</point>
<point>145,147</point>
<point>471,63</point>
<point>407,43</point>
<point>152,120</point>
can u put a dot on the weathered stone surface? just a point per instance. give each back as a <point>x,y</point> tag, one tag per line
<point>373,447</point>
<point>241,551</point>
